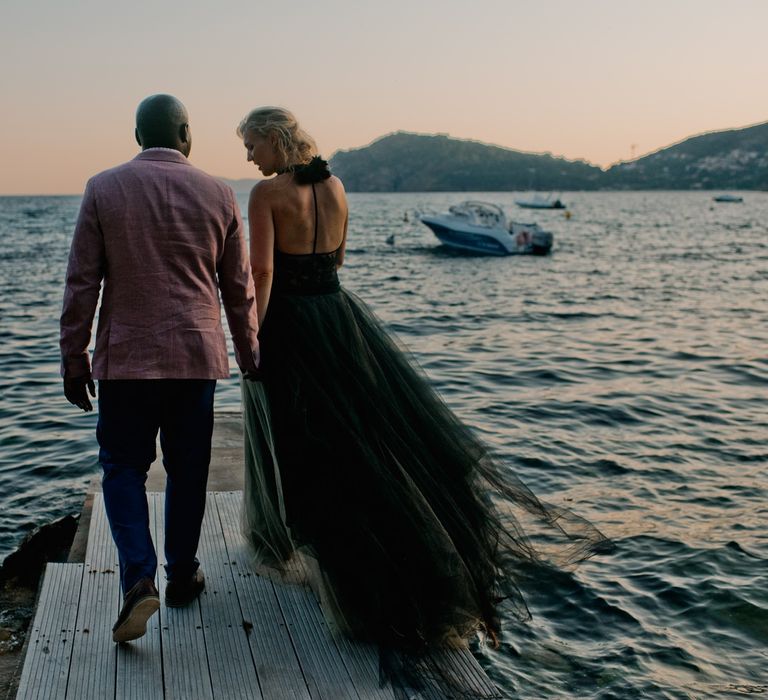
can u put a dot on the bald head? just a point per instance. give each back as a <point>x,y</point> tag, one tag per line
<point>162,121</point>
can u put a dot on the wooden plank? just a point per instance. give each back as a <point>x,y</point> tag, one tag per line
<point>139,663</point>
<point>471,667</point>
<point>321,664</point>
<point>93,667</point>
<point>457,669</point>
<point>416,683</point>
<point>233,673</point>
<point>362,663</point>
<point>185,660</point>
<point>205,650</point>
<point>49,651</point>
<point>443,673</point>
<point>323,668</point>
<point>277,666</point>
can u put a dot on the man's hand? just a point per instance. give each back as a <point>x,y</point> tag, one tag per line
<point>76,393</point>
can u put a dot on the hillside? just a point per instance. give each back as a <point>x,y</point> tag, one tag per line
<point>405,162</point>
<point>733,159</point>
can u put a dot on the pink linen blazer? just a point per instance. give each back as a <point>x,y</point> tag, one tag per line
<point>165,238</point>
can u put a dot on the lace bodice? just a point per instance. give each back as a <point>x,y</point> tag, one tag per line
<point>313,273</point>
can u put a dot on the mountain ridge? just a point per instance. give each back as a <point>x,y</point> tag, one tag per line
<point>404,161</point>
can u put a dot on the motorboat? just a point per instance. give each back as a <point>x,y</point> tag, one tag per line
<point>728,198</point>
<point>540,202</point>
<point>480,227</point>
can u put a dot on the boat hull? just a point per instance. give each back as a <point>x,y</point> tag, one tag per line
<point>539,205</point>
<point>486,241</point>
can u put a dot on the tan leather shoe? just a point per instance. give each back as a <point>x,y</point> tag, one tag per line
<point>139,604</point>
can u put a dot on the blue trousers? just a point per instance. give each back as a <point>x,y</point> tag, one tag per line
<point>131,411</point>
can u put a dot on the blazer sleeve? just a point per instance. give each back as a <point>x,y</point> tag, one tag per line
<point>85,272</point>
<point>238,293</point>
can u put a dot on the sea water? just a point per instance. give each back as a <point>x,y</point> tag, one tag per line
<point>625,376</point>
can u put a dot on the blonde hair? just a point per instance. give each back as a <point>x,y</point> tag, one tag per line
<point>294,145</point>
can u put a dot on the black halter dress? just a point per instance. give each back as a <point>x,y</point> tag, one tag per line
<point>355,465</point>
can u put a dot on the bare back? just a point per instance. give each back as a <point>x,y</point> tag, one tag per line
<point>293,213</point>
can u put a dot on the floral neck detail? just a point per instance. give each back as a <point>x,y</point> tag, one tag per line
<point>308,173</point>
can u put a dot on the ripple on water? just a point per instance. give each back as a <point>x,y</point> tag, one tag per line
<point>618,377</point>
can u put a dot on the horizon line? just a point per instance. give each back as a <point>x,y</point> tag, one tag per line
<point>476,141</point>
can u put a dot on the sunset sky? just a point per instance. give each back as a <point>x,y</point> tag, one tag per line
<point>578,78</point>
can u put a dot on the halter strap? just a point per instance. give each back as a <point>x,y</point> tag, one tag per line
<point>314,198</point>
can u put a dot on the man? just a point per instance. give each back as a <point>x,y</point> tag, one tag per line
<point>165,238</point>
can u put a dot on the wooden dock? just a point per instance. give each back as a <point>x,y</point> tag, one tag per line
<point>246,637</point>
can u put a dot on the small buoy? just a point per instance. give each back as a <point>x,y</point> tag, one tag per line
<point>567,214</point>
<point>405,217</point>
<point>391,239</point>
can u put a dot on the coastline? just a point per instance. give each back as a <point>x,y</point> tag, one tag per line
<point>20,577</point>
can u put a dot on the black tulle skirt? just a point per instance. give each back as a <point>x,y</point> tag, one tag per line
<point>416,536</point>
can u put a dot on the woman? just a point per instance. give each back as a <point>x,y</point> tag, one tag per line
<point>354,464</point>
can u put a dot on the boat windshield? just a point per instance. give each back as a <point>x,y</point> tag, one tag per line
<point>480,213</point>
